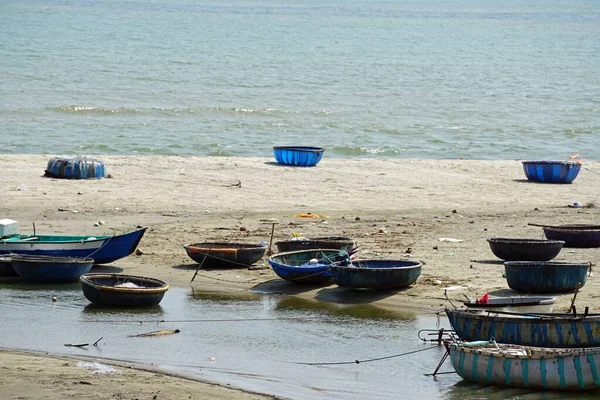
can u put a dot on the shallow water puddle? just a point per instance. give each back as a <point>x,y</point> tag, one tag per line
<point>274,344</point>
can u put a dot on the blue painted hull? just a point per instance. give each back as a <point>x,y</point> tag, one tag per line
<point>541,330</point>
<point>377,274</point>
<point>551,171</point>
<point>103,250</point>
<point>6,268</point>
<point>294,266</point>
<point>530,367</point>
<point>545,277</point>
<point>76,168</point>
<point>51,269</point>
<point>100,289</point>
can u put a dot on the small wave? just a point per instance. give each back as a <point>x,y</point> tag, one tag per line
<point>365,151</point>
<point>91,110</point>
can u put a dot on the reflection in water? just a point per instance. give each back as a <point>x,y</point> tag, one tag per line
<point>40,287</point>
<point>464,390</point>
<point>122,312</point>
<point>199,294</point>
<point>369,311</point>
<point>263,343</point>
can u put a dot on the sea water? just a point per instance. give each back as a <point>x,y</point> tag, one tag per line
<point>378,78</point>
<point>275,344</point>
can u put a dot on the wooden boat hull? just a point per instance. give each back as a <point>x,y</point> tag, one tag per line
<point>100,289</point>
<point>377,274</point>
<point>103,249</point>
<point>225,255</point>
<point>530,367</point>
<point>294,266</point>
<point>545,277</point>
<point>6,268</point>
<point>34,268</point>
<point>523,304</point>
<point>541,330</point>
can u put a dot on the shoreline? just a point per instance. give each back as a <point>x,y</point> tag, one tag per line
<point>392,208</point>
<point>128,380</point>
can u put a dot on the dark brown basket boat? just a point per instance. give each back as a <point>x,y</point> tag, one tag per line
<point>329,242</point>
<point>225,255</point>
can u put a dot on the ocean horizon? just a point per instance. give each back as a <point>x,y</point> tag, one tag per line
<point>389,79</point>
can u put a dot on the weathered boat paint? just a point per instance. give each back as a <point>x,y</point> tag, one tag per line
<point>543,330</point>
<point>103,249</point>
<point>524,366</point>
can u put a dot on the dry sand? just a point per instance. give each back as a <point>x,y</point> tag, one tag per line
<point>393,208</point>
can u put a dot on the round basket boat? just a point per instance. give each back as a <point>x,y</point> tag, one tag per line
<point>525,249</point>
<point>299,156</point>
<point>76,168</point>
<point>545,276</point>
<point>296,266</point>
<point>377,274</point>
<point>582,236</point>
<point>329,242</point>
<point>119,290</point>
<point>224,254</point>
<point>551,171</point>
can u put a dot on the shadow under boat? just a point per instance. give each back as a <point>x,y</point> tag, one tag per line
<point>355,296</point>
<point>122,312</point>
<point>362,311</point>
<point>281,286</point>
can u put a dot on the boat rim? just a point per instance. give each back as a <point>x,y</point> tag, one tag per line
<point>85,280</point>
<point>495,239</point>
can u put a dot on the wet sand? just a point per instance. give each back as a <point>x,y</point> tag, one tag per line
<point>35,376</point>
<point>393,208</point>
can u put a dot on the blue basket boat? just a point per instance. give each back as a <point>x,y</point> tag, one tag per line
<point>528,367</point>
<point>296,266</point>
<point>545,276</point>
<point>528,329</point>
<point>299,156</point>
<point>76,168</point>
<point>119,290</point>
<point>36,268</point>
<point>551,171</point>
<point>377,274</point>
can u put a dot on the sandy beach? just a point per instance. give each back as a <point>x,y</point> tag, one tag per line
<point>393,208</point>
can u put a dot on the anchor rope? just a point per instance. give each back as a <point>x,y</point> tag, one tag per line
<point>368,360</point>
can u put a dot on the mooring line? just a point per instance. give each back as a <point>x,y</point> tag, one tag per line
<point>204,320</point>
<point>365,361</point>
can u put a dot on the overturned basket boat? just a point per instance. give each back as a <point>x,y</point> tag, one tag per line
<point>119,290</point>
<point>76,168</point>
<point>222,254</point>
